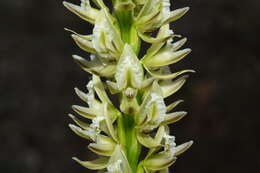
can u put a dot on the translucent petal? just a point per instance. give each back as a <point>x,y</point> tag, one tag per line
<point>129,70</point>
<point>161,76</point>
<point>159,161</point>
<point>183,147</point>
<point>85,112</point>
<point>173,117</point>
<point>80,123</point>
<point>95,67</point>
<point>84,44</point>
<point>177,14</point>
<point>166,57</point>
<point>173,105</point>
<point>150,142</point>
<point>100,90</point>
<point>87,13</point>
<point>97,164</point>
<point>109,123</point>
<point>172,87</point>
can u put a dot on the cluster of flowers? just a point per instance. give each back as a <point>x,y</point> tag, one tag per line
<point>118,133</point>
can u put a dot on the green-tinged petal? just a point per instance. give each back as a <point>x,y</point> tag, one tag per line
<point>118,162</point>
<point>159,161</point>
<point>173,105</point>
<point>106,37</point>
<point>95,67</point>
<point>83,96</point>
<point>148,141</point>
<point>152,40</point>
<point>166,57</point>
<point>97,164</point>
<point>147,8</point>
<point>147,82</point>
<point>152,108</point>
<point>87,13</point>
<point>129,71</point>
<point>86,37</point>
<point>161,76</point>
<point>173,117</point>
<point>163,33</point>
<point>80,123</point>
<point>100,90</point>
<point>177,14</point>
<point>109,123</point>
<point>172,87</point>
<point>178,44</point>
<point>113,88</point>
<point>183,147</point>
<point>84,44</point>
<point>85,112</point>
<point>82,133</point>
<point>104,146</point>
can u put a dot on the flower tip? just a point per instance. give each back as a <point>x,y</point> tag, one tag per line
<point>66,4</point>
<point>71,116</point>
<point>186,9</point>
<point>75,158</point>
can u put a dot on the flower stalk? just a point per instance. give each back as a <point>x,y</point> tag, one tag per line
<point>120,133</point>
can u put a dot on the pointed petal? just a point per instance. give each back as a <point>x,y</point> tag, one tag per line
<point>83,96</point>
<point>85,112</point>
<point>183,147</point>
<point>81,124</point>
<point>109,123</point>
<point>173,117</point>
<point>78,131</point>
<point>100,90</point>
<point>172,87</point>
<point>97,164</point>
<point>104,146</point>
<point>159,161</point>
<point>159,75</point>
<point>166,57</point>
<point>173,105</point>
<point>153,40</point>
<point>129,68</point>
<point>112,86</point>
<point>88,13</point>
<point>84,44</point>
<point>177,14</point>
<point>178,44</point>
<point>150,142</point>
<point>94,67</point>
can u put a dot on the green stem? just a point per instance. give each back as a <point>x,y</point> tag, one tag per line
<point>127,136</point>
<point>128,31</point>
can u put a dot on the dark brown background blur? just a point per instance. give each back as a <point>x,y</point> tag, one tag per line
<point>37,77</point>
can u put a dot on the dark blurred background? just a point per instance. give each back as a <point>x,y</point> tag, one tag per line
<point>37,77</point>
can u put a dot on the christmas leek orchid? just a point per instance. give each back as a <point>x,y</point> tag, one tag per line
<point>118,133</point>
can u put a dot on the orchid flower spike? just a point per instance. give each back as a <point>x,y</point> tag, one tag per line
<point>119,133</point>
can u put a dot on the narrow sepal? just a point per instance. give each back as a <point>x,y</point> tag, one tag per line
<point>173,117</point>
<point>173,105</point>
<point>97,164</point>
<point>183,147</point>
<point>159,161</point>
<point>172,87</point>
<point>86,13</point>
